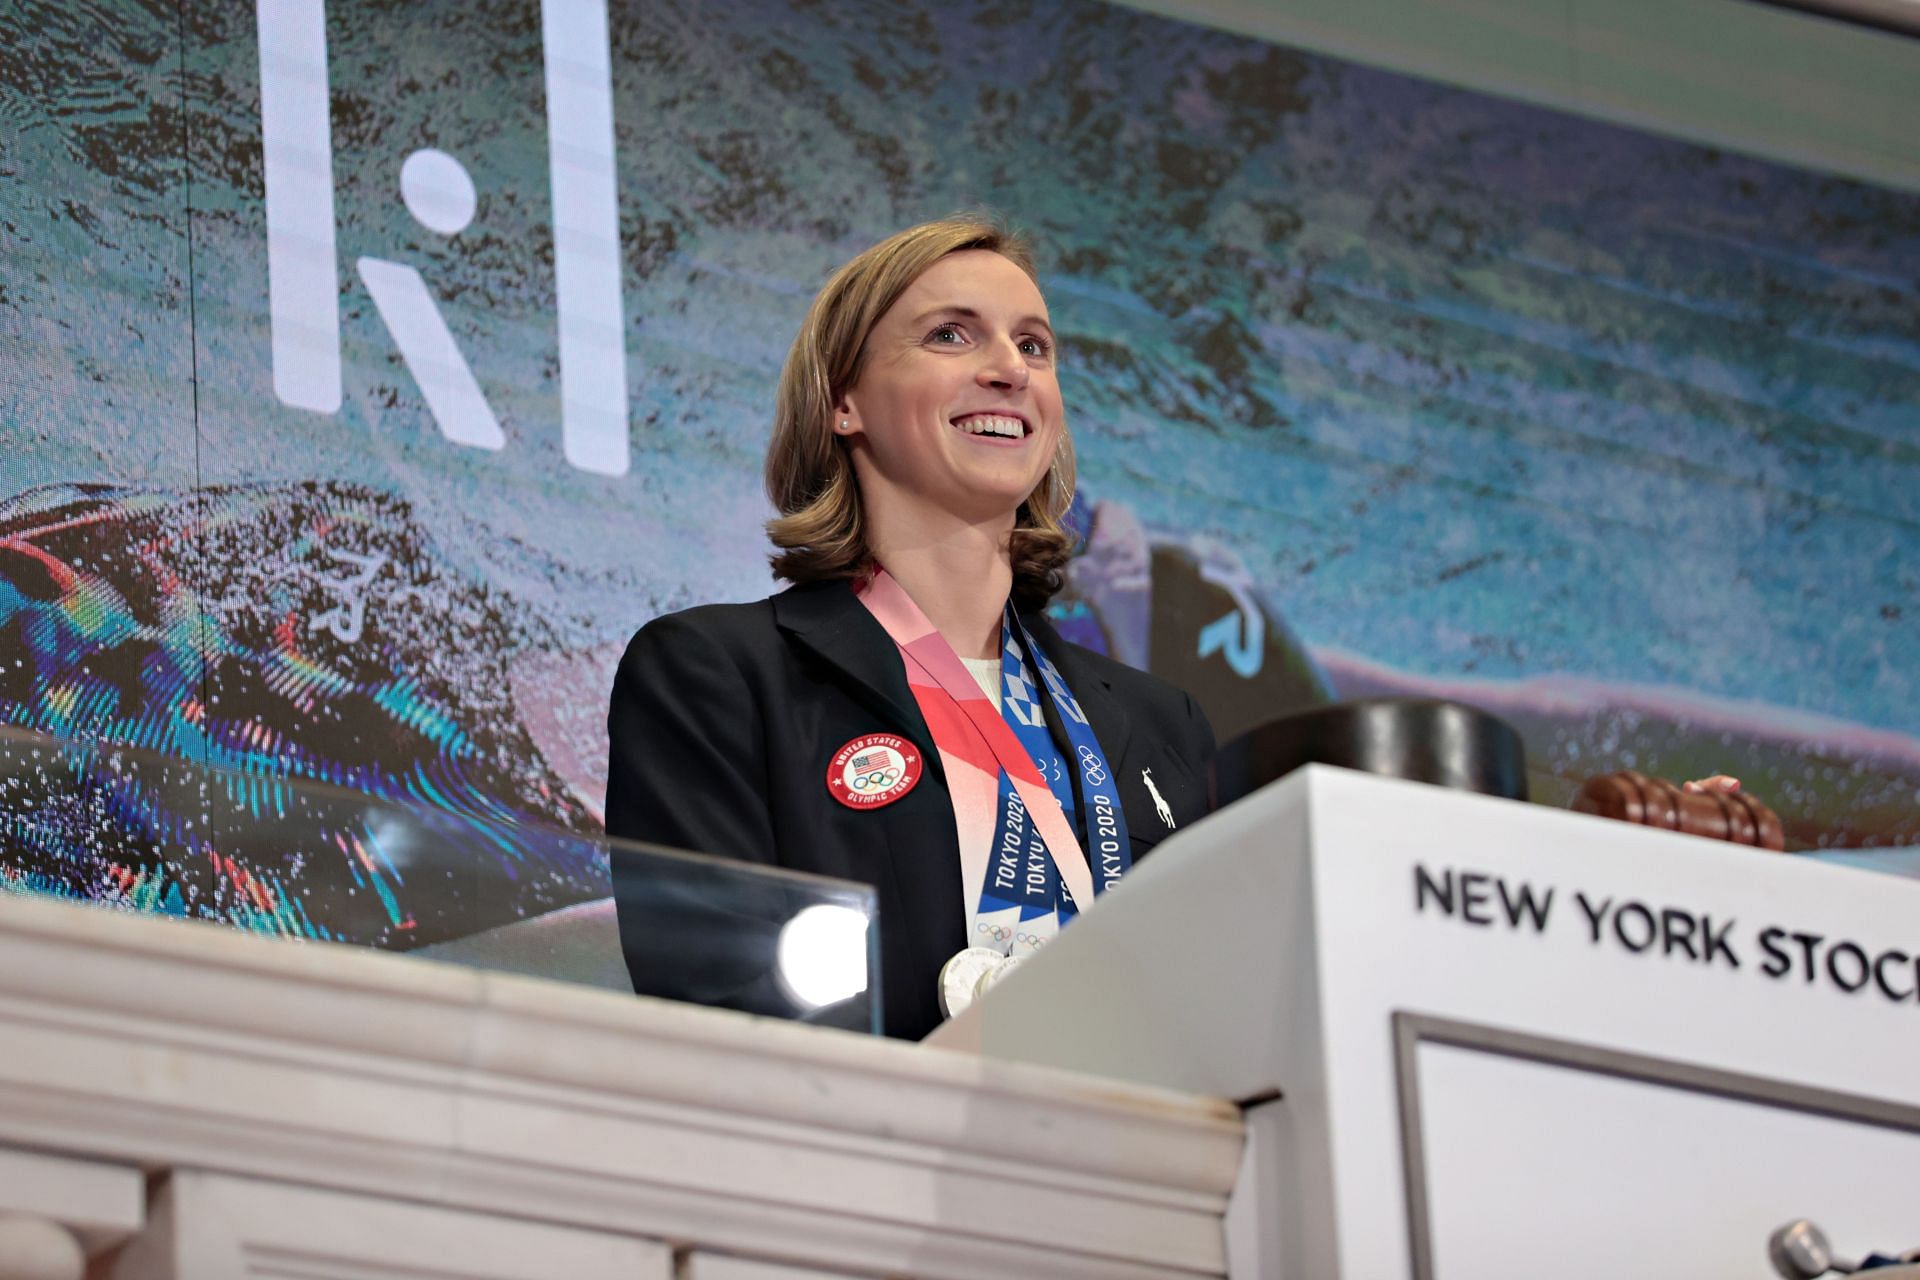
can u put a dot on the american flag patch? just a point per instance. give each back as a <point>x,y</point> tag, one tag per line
<point>873,770</point>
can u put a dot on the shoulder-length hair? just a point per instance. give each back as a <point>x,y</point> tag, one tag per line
<point>820,531</point>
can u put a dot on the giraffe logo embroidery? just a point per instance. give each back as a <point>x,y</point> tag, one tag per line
<point>1159,801</point>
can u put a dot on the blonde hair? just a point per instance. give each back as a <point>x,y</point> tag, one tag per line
<point>820,533</point>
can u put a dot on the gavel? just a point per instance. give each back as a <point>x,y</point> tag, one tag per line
<point>1630,796</point>
<point>1450,744</point>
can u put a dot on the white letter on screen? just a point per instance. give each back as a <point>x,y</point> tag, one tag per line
<point>303,284</point>
<point>586,234</point>
<point>435,362</point>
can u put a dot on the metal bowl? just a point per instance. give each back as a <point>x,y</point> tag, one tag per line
<point>1447,744</point>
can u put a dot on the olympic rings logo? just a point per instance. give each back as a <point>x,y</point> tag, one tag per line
<point>1090,762</point>
<point>1030,940</point>
<point>873,770</point>
<point>999,933</point>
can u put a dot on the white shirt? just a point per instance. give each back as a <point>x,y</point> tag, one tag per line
<point>986,673</point>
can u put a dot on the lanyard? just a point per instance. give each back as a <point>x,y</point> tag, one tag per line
<point>1106,819</point>
<point>1021,900</point>
<point>1020,703</point>
<point>1017,845</point>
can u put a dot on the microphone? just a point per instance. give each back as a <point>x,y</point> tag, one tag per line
<point>1799,1251</point>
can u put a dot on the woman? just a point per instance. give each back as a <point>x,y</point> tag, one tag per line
<point>904,715</point>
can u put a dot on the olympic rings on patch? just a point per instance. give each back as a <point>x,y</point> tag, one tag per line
<point>873,770</point>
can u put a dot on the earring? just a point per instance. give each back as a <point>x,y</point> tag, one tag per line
<point>846,424</point>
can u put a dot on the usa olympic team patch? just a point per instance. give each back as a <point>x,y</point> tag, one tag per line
<point>874,770</point>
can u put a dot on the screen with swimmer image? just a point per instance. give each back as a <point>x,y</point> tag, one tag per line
<point>184,839</point>
<point>369,372</point>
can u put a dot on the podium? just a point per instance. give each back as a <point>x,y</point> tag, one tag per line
<point>1348,1027</point>
<point>1472,1037</point>
<point>188,1100</point>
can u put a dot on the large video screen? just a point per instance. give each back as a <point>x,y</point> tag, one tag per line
<point>370,371</point>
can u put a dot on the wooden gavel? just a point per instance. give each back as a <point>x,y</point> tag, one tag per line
<point>1631,796</point>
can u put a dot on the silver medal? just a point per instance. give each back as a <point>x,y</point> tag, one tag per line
<point>994,975</point>
<point>966,975</point>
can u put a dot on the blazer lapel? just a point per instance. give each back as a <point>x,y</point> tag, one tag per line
<point>828,621</point>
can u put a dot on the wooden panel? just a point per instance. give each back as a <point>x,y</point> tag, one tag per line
<point>715,1266</point>
<point>100,1203</point>
<point>208,1227</point>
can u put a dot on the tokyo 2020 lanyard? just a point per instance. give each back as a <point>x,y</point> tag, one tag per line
<point>1111,854</point>
<point>1021,901</point>
<point>979,750</point>
<point>1021,703</point>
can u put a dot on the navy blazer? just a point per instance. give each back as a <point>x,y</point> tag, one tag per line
<point>723,721</point>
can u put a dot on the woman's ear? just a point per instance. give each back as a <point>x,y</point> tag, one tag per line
<point>845,420</point>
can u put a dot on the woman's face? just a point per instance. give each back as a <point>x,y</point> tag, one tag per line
<point>957,405</point>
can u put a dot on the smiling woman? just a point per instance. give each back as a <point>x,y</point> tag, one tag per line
<point>905,329</point>
<point>904,715</point>
<point>954,418</point>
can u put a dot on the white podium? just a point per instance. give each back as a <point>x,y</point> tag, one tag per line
<point>183,1102</point>
<point>1476,1038</point>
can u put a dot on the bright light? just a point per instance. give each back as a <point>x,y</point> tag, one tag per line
<point>822,955</point>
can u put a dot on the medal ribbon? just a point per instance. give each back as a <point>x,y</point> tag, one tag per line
<point>1112,854</point>
<point>1021,895</point>
<point>1011,824</point>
